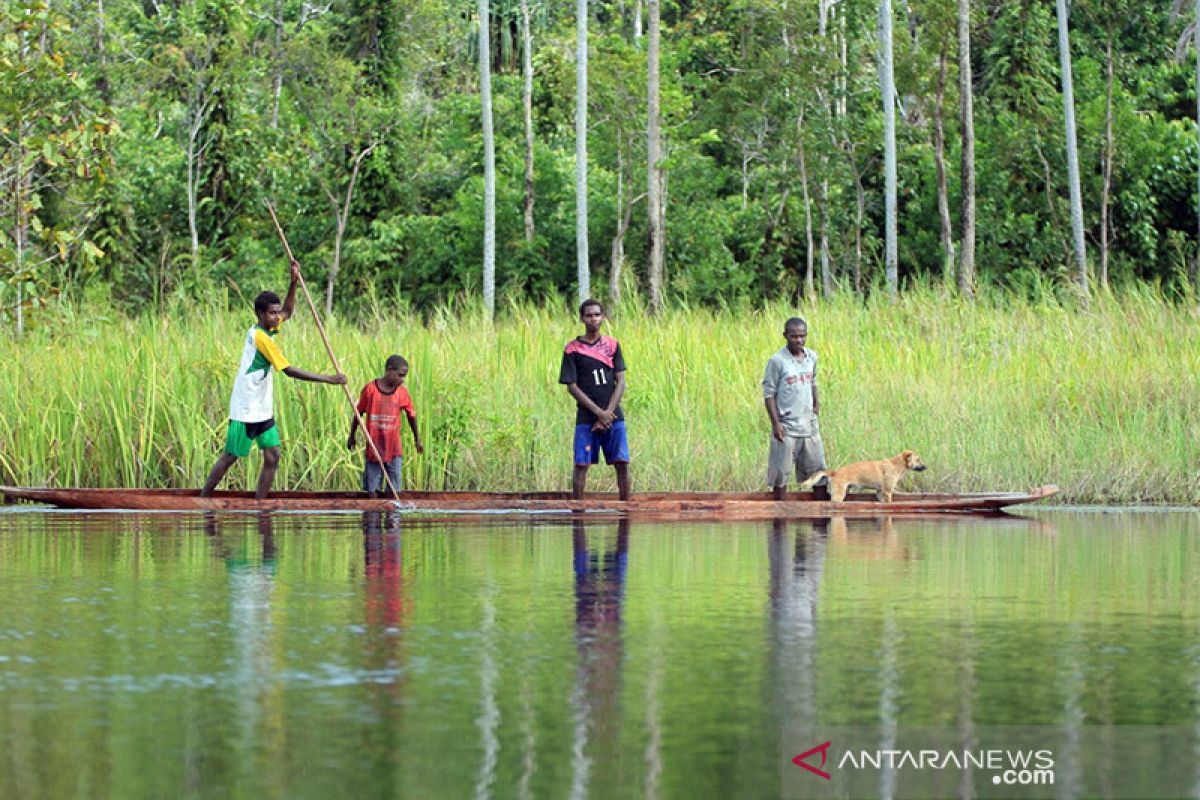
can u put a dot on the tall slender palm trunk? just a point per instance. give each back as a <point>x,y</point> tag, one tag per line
<point>888,90</point>
<point>1064,53</point>
<point>654,199</point>
<point>966,95</point>
<point>583,273</point>
<point>489,162</point>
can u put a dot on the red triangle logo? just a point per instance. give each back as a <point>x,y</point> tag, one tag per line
<point>823,749</point>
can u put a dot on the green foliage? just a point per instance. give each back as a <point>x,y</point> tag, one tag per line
<point>53,140</point>
<point>217,107</point>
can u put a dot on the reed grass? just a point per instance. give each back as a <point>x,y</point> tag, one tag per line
<point>996,394</point>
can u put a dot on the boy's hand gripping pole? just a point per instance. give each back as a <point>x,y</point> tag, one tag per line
<point>329,349</point>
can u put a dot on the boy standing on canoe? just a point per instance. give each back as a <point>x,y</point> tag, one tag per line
<point>593,370</point>
<point>380,403</point>
<point>790,395</point>
<point>251,404</point>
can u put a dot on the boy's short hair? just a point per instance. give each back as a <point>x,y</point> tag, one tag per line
<point>795,322</point>
<point>395,362</point>
<point>590,302</point>
<point>265,300</point>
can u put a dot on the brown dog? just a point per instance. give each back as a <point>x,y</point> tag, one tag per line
<point>882,476</point>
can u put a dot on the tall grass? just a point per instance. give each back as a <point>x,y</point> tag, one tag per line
<point>997,394</point>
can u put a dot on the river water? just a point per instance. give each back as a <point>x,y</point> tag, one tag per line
<point>290,655</point>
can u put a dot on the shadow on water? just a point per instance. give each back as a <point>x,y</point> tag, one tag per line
<point>378,654</point>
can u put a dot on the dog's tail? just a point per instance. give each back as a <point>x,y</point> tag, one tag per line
<point>812,480</point>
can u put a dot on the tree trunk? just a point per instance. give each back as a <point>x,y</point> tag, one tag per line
<point>654,201</point>
<point>746,159</point>
<point>341,218</point>
<point>489,164</point>
<point>618,242</point>
<point>887,85</point>
<point>939,157</point>
<point>102,83</point>
<point>527,105</point>
<point>966,265</point>
<point>826,271</point>
<point>1064,52</point>
<point>843,83</point>
<point>582,271</point>
<point>860,213</point>
<point>809,282</point>
<point>277,78</point>
<point>192,182</point>
<point>637,21</point>
<point>21,224</point>
<point>1109,152</point>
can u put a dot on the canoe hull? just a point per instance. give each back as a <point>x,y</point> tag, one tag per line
<point>666,505</point>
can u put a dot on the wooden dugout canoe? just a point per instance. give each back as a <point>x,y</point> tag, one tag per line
<point>662,505</point>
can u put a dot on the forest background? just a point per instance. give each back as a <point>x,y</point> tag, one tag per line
<point>140,140</point>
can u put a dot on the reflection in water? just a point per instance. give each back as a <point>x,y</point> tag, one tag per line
<point>385,607</point>
<point>258,695</point>
<point>383,561</point>
<point>1068,777</point>
<point>528,737</point>
<point>1195,657</point>
<point>889,700</point>
<point>599,589</point>
<point>965,722</point>
<point>793,587</point>
<point>795,569</point>
<point>874,538</point>
<point>316,656</point>
<point>489,718</point>
<point>653,751</point>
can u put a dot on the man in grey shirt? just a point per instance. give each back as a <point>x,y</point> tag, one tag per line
<point>790,394</point>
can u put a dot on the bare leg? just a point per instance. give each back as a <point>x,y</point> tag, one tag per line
<point>622,480</point>
<point>578,481</point>
<point>218,472</point>
<point>266,475</point>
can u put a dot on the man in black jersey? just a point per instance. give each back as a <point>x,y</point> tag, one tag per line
<point>593,370</point>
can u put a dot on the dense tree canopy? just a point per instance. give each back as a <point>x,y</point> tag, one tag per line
<point>139,140</point>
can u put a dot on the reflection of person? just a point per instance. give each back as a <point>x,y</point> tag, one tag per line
<point>251,407</point>
<point>790,394</point>
<point>243,562</point>
<point>381,402</point>
<point>794,587</point>
<point>599,577</point>
<point>382,551</point>
<point>593,370</point>
<point>599,591</point>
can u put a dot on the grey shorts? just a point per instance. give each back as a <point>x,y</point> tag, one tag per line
<point>373,475</point>
<point>804,453</point>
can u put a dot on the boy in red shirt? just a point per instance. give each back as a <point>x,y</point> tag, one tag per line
<point>380,403</point>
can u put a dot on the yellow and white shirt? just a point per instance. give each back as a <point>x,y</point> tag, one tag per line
<point>252,399</point>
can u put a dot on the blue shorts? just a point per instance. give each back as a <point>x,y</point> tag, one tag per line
<point>589,443</point>
<point>373,475</point>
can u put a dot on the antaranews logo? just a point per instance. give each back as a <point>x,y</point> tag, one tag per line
<point>1010,767</point>
<point>1002,762</point>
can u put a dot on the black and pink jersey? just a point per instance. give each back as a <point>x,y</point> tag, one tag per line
<point>593,367</point>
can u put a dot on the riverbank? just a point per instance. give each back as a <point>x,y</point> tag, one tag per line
<point>1002,394</point>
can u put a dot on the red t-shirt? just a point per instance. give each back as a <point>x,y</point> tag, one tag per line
<point>382,413</point>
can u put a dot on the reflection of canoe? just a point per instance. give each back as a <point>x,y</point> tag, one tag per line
<point>717,505</point>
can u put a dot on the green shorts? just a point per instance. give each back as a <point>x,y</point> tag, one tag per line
<point>240,435</point>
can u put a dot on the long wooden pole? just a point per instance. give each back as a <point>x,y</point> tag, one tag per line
<point>333,358</point>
